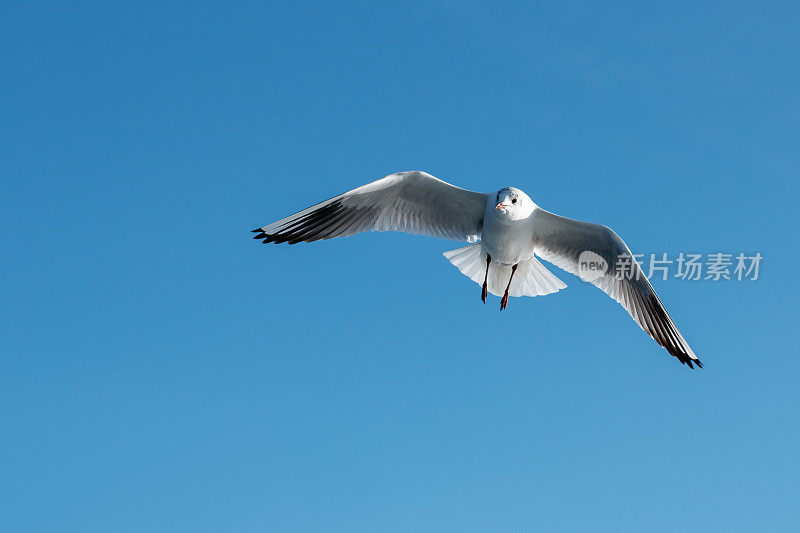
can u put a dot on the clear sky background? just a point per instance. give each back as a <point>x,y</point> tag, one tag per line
<point>162,371</point>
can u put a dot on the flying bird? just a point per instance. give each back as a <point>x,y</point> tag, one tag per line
<point>506,229</point>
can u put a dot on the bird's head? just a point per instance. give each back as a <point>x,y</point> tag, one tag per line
<point>511,203</point>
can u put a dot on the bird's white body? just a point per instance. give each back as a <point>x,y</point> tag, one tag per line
<point>508,242</point>
<point>508,235</point>
<point>503,259</point>
<point>506,229</point>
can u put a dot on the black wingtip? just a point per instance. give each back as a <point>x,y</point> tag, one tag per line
<point>691,362</point>
<point>255,230</point>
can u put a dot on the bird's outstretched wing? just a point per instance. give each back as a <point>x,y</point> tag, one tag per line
<point>561,241</point>
<point>412,202</point>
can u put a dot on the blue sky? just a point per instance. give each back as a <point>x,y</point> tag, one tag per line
<point>164,372</point>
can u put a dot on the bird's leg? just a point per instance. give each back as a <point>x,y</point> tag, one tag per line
<point>485,290</point>
<point>504,301</point>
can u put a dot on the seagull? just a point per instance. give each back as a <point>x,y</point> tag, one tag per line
<point>506,231</point>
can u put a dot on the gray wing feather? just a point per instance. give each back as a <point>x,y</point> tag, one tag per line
<point>412,202</point>
<point>561,240</point>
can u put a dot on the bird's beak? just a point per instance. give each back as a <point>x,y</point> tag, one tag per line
<point>501,205</point>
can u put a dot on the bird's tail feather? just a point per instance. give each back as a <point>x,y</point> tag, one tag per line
<point>530,279</point>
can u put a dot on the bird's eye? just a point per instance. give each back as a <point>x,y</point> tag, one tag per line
<point>514,201</point>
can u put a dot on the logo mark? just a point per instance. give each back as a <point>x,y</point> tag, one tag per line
<point>591,266</point>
